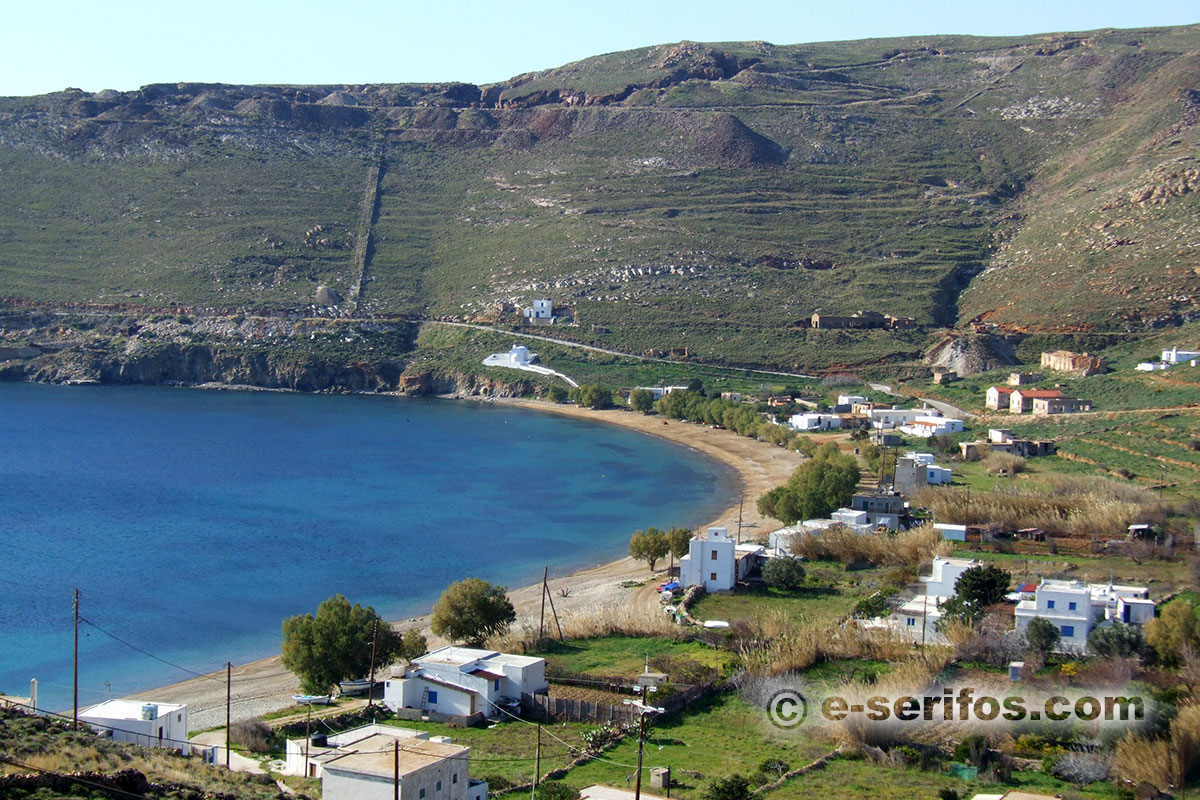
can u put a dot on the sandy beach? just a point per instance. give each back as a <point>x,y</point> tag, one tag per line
<point>265,685</point>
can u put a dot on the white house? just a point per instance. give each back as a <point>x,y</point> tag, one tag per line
<point>308,756</point>
<point>1177,356</point>
<point>951,533</point>
<point>815,422</point>
<point>464,681</point>
<point>850,399</point>
<point>919,617</point>
<point>140,722</point>
<point>895,417</point>
<point>888,510</point>
<point>541,312</point>
<point>998,398</point>
<point>716,562</point>
<point>426,769</point>
<point>779,542</point>
<point>858,521</point>
<point>1077,608</point>
<point>929,425</point>
<point>659,392</point>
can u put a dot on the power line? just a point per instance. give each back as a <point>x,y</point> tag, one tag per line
<point>147,652</point>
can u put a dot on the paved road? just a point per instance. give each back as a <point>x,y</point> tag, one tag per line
<point>577,345</point>
<point>951,411</point>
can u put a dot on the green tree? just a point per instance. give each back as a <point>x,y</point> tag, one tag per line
<point>735,787</point>
<point>592,395</point>
<point>1172,630</point>
<point>649,545</point>
<point>557,394</point>
<point>785,572</point>
<point>695,385</point>
<point>412,645</point>
<point>975,590</point>
<point>641,400</point>
<point>817,488</point>
<point>335,645</point>
<point>472,610</point>
<point>1042,635</point>
<point>680,541</point>
<point>1117,640</point>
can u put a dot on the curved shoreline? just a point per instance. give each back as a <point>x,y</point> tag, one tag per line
<point>265,685</point>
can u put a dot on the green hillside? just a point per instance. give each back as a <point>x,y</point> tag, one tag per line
<point>700,196</point>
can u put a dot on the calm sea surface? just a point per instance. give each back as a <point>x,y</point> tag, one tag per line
<point>193,522</point>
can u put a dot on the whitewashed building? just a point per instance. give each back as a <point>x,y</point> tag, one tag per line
<point>716,562</point>
<point>895,417</point>
<point>659,392</point>
<point>929,425</point>
<point>308,756</point>
<point>813,421</point>
<point>1077,608</point>
<point>464,680</point>
<point>140,722</point>
<point>426,769</point>
<point>918,619</point>
<point>1176,356</point>
<point>951,532</point>
<point>541,312</point>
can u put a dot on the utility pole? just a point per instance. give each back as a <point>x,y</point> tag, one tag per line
<point>396,770</point>
<point>642,710</point>
<point>308,737</point>
<point>741,500</point>
<point>229,710</point>
<point>537,764</point>
<point>75,712</point>
<point>371,677</point>
<point>542,618</point>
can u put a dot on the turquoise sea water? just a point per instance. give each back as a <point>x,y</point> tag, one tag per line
<point>193,522</point>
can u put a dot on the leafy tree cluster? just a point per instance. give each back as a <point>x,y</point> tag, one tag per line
<point>785,572</point>
<point>592,395</point>
<point>641,400</point>
<point>742,419</point>
<point>649,545</point>
<point>472,610</point>
<point>1042,635</point>
<point>1117,640</point>
<point>975,590</point>
<point>817,488</point>
<point>335,645</point>
<point>1174,631</point>
<point>652,544</point>
<point>557,394</point>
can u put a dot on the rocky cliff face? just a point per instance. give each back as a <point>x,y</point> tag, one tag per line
<point>967,355</point>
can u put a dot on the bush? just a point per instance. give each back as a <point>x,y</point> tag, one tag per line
<point>1117,640</point>
<point>816,489</point>
<point>874,606</point>
<point>254,735</point>
<point>1042,635</point>
<point>735,787</point>
<point>785,572</point>
<point>1005,463</point>
<point>553,790</point>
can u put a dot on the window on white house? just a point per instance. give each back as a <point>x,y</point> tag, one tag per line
<point>912,621</point>
<point>714,555</point>
<point>712,576</point>
<point>1070,606</point>
<point>1068,631</point>
<point>1049,604</point>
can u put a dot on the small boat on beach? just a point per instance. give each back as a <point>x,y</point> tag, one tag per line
<point>358,686</point>
<point>312,699</point>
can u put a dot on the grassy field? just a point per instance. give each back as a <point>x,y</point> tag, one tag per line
<point>625,656</point>
<point>833,595</point>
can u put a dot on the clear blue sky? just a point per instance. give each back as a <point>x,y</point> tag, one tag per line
<point>124,44</point>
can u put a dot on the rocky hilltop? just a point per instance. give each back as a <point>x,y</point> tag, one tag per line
<point>707,198</point>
